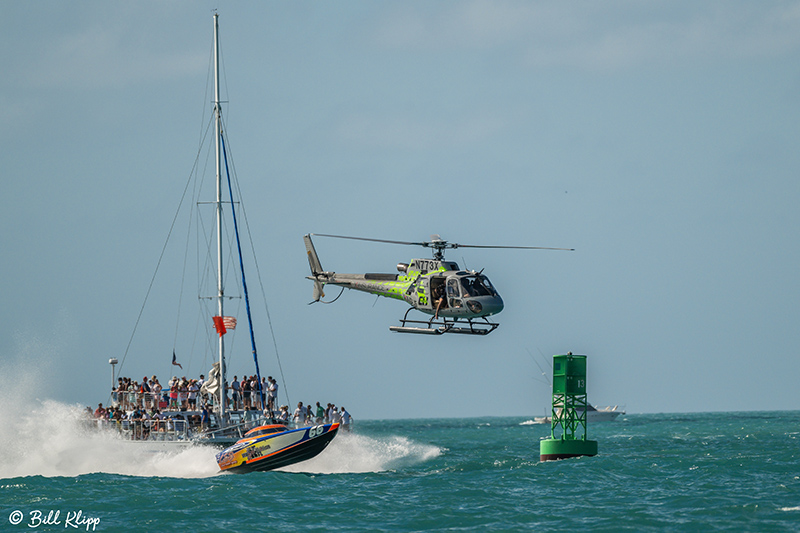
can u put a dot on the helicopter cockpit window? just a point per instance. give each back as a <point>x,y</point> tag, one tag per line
<point>476,286</point>
<point>453,294</point>
<point>452,288</point>
<point>487,285</point>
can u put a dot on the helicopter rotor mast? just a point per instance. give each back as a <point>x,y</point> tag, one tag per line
<point>439,245</point>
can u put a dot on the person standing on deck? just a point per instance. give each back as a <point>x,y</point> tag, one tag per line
<point>264,389</point>
<point>256,400</point>
<point>272,394</point>
<point>144,389</point>
<point>299,414</point>
<point>173,393</point>
<point>236,393</point>
<point>183,392</point>
<point>200,383</point>
<point>156,388</point>
<point>246,392</point>
<point>193,390</point>
<point>346,418</point>
<point>205,418</point>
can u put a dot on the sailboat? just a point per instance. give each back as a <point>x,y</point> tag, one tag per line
<point>269,445</point>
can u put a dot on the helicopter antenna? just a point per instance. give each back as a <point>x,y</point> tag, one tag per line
<point>439,245</point>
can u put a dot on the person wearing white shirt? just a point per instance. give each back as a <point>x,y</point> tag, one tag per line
<point>346,418</point>
<point>272,393</point>
<point>299,414</point>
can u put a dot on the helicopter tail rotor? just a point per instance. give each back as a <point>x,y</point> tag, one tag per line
<point>318,292</point>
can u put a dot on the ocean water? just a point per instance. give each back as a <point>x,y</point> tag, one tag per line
<point>666,472</point>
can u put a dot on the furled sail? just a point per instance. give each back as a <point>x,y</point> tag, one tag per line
<point>211,386</point>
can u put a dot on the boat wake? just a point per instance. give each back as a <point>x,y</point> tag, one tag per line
<point>355,454</point>
<point>53,439</point>
<point>56,440</point>
<point>50,438</point>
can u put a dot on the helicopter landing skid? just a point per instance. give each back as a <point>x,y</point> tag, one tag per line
<point>436,327</point>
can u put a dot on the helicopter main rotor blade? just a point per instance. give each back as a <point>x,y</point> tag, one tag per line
<point>442,244</point>
<point>454,245</point>
<point>373,240</point>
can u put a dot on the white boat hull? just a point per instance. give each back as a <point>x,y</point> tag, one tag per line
<point>598,414</point>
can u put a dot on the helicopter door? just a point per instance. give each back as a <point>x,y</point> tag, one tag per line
<point>422,294</point>
<point>435,287</point>
<point>453,294</point>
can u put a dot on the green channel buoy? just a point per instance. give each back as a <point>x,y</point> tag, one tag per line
<point>569,411</point>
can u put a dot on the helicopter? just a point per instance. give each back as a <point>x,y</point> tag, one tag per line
<point>459,301</point>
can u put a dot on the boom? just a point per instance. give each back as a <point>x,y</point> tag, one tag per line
<point>389,285</point>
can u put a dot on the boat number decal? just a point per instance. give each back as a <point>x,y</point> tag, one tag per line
<point>316,431</point>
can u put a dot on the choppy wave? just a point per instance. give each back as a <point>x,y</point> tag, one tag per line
<point>444,474</point>
<point>530,423</point>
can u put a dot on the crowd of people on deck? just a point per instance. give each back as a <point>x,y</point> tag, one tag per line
<point>165,407</point>
<point>306,415</point>
<point>177,395</point>
<point>142,423</point>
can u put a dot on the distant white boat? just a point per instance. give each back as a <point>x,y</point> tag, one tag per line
<point>593,414</point>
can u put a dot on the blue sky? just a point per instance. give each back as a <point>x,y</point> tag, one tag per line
<point>658,139</point>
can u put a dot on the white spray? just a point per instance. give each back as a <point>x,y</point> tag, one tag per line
<point>50,438</point>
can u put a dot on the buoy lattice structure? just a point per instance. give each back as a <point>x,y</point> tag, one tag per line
<point>568,420</point>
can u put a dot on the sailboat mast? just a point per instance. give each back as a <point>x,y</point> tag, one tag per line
<point>220,286</point>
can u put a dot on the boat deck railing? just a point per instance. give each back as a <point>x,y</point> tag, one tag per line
<point>182,429</point>
<point>155,430</point>
<point>130,400</point>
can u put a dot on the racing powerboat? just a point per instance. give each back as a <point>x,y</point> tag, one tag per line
<point>274,445</point>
